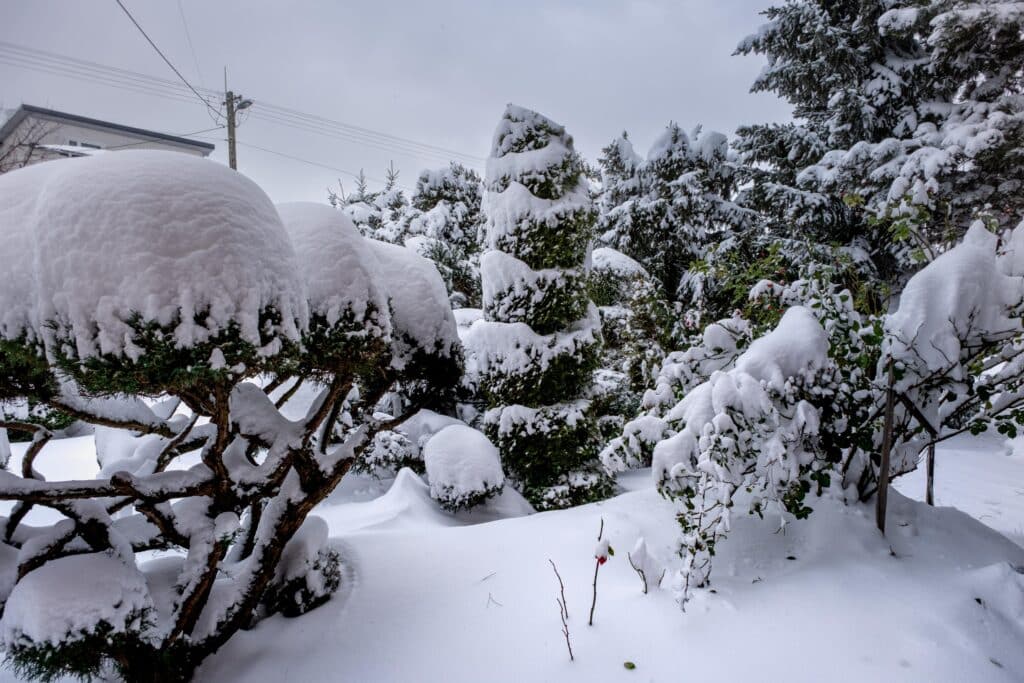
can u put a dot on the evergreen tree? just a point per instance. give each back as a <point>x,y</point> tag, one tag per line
<point>910,111</point>
<point>381,215</point>
<point>539,343</point>
<point>447,223</point>
<point>664,211</point>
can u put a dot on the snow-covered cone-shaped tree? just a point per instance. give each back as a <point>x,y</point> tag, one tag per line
<point>535,351</point>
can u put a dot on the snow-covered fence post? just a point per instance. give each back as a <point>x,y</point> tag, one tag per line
<point>253,301</point>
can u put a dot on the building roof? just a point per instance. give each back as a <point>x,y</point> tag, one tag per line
<point>24,110</point>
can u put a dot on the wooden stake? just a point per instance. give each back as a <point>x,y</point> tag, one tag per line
<point>929,495</point>
<point>883,470</point>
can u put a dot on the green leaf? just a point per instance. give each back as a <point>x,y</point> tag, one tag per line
<point>611,551</point>
<point>629,665</point>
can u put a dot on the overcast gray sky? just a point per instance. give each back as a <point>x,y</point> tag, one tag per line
<point>436,72</point>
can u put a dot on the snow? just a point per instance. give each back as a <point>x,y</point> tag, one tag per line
<point>433,596</point>
<point>797,346</point>
<point>461,462</point>
<point>68,597</point>
<point>424,424</point>
<point>983,476</point>
<point>957,299</point>
<point>165,235</point>
<point>477,602</point>
<point>419,302</point>
<point>497,347</point>
<point>606,258</point>
<point>338,265</point>
<point>506,278</point>
<point>516,204</point>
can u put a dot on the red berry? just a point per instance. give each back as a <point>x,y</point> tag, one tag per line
<point>602,560</point>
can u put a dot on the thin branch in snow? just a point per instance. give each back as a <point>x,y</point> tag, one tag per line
<point>561,587</point>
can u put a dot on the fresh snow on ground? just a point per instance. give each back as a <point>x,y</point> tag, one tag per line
<point>432,596</point>
<point>983,476</point>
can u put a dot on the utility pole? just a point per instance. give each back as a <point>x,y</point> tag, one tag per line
<point>233,103</point>
<point>229,102</point>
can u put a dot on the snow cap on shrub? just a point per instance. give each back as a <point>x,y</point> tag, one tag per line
<point>338,266</point>
<point>421,315</point>
<point>463,467</point>
<point>178,241</point>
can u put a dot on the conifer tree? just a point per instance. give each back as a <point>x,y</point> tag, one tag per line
<point>538,345</point>
<point>909,118</point>
<point>447,222</point>
<point>665,210</point>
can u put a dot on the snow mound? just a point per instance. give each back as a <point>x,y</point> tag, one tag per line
<point>170,237</point>
<point>338,265</point>
<point>963,290</point>
<point>796,346</point>
<point>463,466</point>
<point>71,596</point>
<point>421,314</point>
<point>424,424</point>
<point>614,261</point>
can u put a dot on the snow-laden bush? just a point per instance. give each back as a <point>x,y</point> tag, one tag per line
<point>402,447</point>
<point>463,467</point>
<point>143,275</point>
<point>957,345</point>
<point>777,414</point>
<point>533,355</point>
<point>750,427</point>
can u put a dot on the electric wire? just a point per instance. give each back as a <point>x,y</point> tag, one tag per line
<point>282,115</point>
<point>179,135</point>
<point>191,47</point>
<point>166,60</point>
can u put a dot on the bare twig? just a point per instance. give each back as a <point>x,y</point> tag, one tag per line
<point>561,587</point>
<point>565,627</point>
<point>639,571</point>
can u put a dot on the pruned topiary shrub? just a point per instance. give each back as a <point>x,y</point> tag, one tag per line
<point>160,275</point>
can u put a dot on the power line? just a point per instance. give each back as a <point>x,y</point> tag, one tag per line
<point>328,122</point>
<point>93,78</point>
<point>164,57</point>
<point>188,37</point>
<point>52,63</point>
<point>347,137</point>
<point>180,135</point>
<point>111,71</point>
<point>318,164</point>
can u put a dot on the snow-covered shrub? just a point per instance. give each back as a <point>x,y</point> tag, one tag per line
<point>533,355</point>
<point>149,274</point>
<point>956,343</point>
<point>751,427</point>
<point>776,415</point>
<point>307,575</point>
<point>390,452</point>
<point>70,612</point>
<point>463,467</point>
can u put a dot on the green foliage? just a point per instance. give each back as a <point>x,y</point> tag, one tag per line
<point>544,430</point>
<point>452,499</point>
<point>85,656</point>
<point>301,594</point>
<point>161,364</point>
